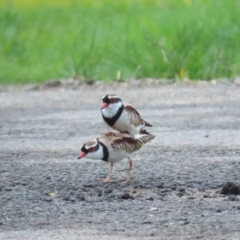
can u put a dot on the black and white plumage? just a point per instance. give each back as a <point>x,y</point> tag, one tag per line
<point>113,147</point>
<point>122,117</point>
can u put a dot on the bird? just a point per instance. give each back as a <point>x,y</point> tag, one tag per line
<point>122,117</point>
<point>113,147</point>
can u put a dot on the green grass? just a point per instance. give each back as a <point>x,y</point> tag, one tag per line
<point>160,39</point>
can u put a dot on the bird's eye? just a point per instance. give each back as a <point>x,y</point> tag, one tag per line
<point>91,149</point>
<point>112,100</point>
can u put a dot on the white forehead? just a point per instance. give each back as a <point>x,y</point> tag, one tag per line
<point>111,96</point>
<point>90,144</point>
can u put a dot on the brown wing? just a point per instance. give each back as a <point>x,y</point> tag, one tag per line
<point>134,116</point>
<point>121,141</point>
<point>126,143</point>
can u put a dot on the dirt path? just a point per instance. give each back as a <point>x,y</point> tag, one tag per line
<point>46,193</point>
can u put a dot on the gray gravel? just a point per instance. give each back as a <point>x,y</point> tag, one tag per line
<point>175,192</point>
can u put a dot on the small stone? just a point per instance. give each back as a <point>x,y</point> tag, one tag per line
<point>52,194</point>
<point>153,209</point>
<point>108,190</point>
<point>219,211</point>
<point>160,186</point>
<point>150,198</point>
<point>165,190</point>
<point>47,199</point>
<point>230,189</point>
<point>66,198</point>
<point>181,189</point>
<point>127,196</point>
<point>88,185</point>
<point>80,197</point>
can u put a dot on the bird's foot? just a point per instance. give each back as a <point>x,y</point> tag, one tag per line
<point>127,180</point>
<point>124,182</point>
<point>106,180</point>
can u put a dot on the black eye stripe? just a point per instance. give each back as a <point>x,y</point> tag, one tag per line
<point>83,149</point>
<point>107,100</point>
<point>94,149</point>
<point>91,149</point>
<point>115,100</point>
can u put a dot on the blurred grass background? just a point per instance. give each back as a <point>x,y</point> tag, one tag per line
<point>42,40</point>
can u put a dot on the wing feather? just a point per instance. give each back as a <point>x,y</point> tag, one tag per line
<point>127,144</point>
<point>134,116</point>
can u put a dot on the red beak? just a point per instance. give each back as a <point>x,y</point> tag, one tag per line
<point>105,105</point>
<point>82,155</point>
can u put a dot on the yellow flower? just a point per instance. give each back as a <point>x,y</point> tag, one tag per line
<point>187,2</point>
<point>182,73</point>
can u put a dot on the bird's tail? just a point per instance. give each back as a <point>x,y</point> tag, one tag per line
<point>147,124</point>
<point>143,131</point>
<point>144,137</point>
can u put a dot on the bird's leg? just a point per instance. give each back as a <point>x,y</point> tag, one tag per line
<point>108,178</point>
<point>130,171</point>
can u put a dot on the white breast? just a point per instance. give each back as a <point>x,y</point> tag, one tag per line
<point>123,124</point>
<point>116,155</point>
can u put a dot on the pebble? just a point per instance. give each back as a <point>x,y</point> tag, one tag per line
<point>150,198</point>
<point>153,209</point>
<point>127,196</point>
<point>230,188</point>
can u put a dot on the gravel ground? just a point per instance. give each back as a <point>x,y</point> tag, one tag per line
<point>175,192</point>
